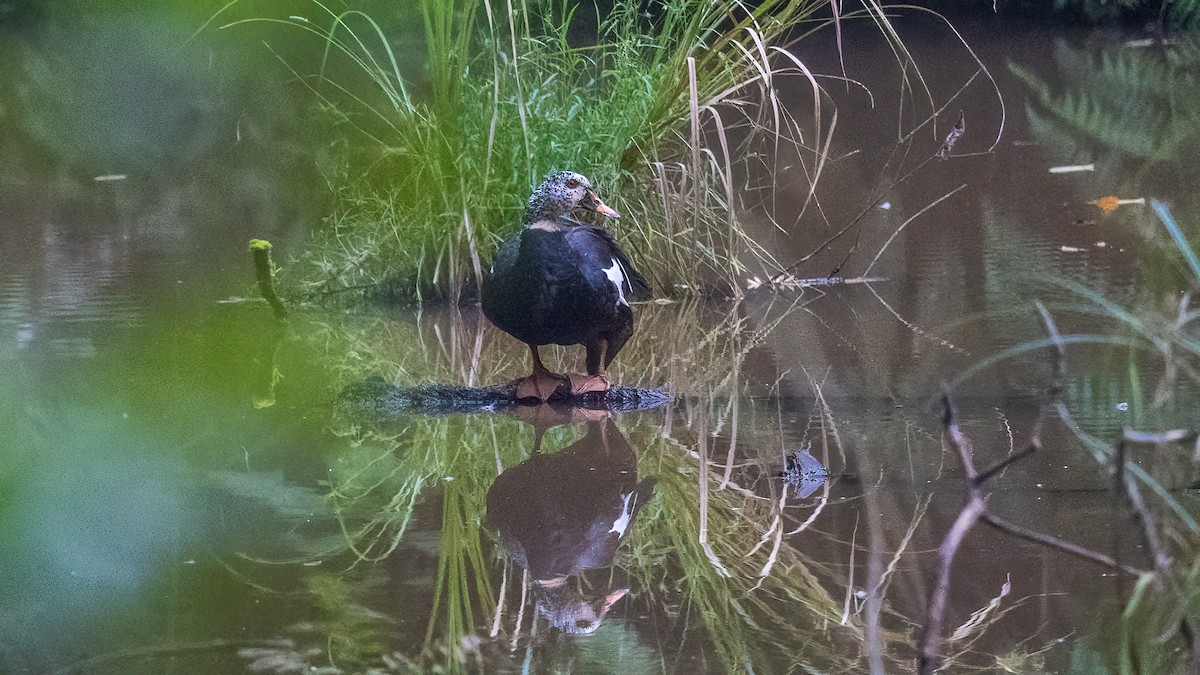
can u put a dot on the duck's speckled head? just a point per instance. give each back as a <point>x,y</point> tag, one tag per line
<point>560,195</point>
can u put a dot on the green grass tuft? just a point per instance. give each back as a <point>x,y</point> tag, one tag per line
<point>658,107</point>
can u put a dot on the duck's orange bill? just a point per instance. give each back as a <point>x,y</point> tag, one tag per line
<point>604,209</point>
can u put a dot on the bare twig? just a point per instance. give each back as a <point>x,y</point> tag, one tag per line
<point>960,443</point>
<point>784,280</point>
<point>931,638</point>
<point>1060,544</point>
<point>928,650</point>
<point>264,271</point>
<point>1004,463</point>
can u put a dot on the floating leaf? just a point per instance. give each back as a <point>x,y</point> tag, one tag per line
<point>1107,204</point>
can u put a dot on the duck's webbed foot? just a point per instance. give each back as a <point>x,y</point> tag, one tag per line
<point>542,383</point>
<point>583,384</point>
<point>539,385</point>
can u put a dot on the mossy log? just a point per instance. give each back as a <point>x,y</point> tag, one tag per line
<point>374,397</point>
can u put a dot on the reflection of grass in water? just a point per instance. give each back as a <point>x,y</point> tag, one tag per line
<point>391,483</point>
<point>786,620</point>
<point>790,618</point>
<point>1142,102</point>
<point>1136,114</point>
<point>1156,631</point>
<point>462,574</point>
<point>751,618</point>
<point>1177,13</point>
<point>376,489</point>
<point>688,348</point>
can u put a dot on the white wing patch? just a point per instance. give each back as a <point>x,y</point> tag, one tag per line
<point>617,276</point>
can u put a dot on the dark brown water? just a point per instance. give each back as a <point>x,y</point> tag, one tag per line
<point>178,493</point>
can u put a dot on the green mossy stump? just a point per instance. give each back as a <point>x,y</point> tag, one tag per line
<point>264,272</point>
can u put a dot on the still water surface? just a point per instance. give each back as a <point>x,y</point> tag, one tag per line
<point>181,494</point>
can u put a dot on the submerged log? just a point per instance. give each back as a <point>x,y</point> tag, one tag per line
<point>380,399</point>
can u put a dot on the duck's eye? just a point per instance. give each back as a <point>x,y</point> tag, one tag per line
<point>572,183</point>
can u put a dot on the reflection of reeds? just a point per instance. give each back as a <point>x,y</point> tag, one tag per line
<point>688,348</point>
<point>1157,630</point>
<point>713,548</point>
<point>785,619</point>
<point>462,574</point>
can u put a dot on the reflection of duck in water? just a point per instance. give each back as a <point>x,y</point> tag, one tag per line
<point>561,513</point>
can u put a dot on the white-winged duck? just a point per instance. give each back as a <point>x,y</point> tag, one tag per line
<point>565,282</point>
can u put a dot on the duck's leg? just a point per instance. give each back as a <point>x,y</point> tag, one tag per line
<point>542,383</point>
<point>601,351</point>
<point>595,380</point>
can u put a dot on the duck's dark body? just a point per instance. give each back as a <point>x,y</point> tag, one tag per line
<point>568,511</point>
<point>563,513</point>
<point>565,284</point>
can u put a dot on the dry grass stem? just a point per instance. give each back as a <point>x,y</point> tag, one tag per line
<point>886,244</point>
<point>516,636</point>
